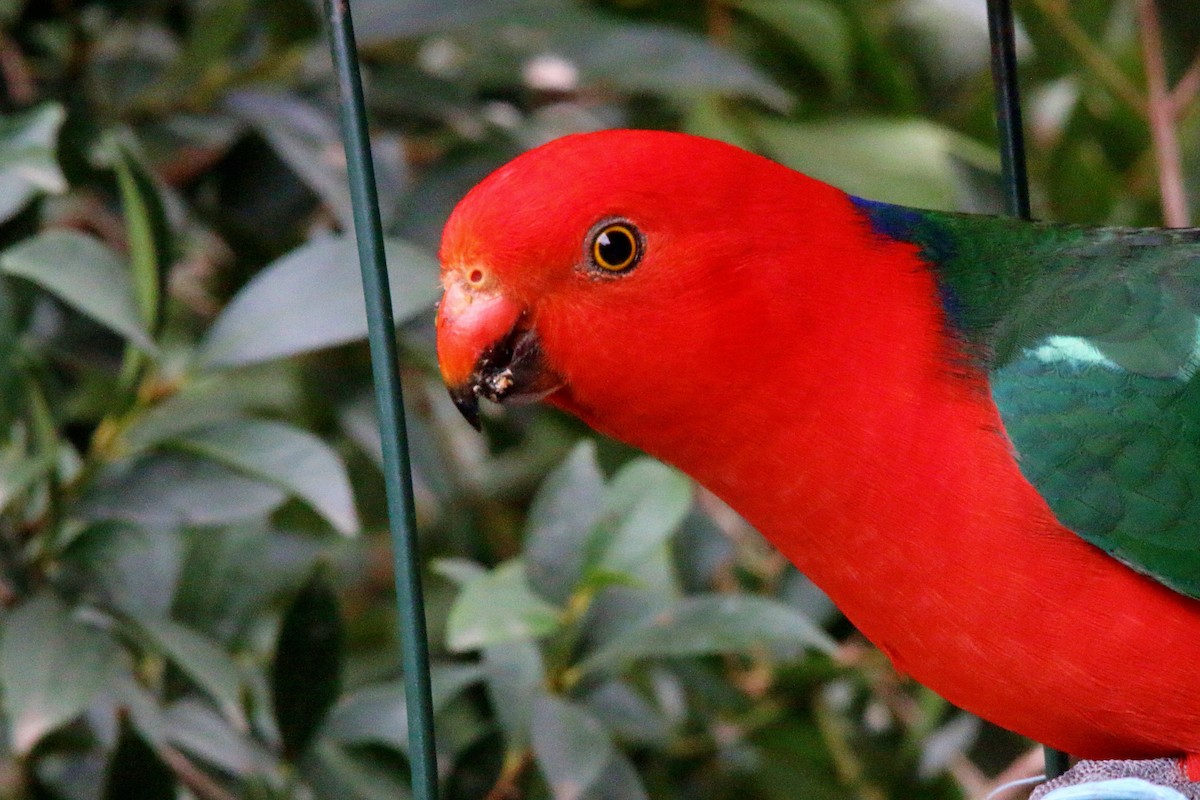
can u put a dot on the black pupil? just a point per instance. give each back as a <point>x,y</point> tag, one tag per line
<point>615,247</point>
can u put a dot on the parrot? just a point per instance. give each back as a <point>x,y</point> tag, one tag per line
<point>979,435</point>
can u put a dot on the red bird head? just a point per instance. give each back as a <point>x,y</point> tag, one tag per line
<point>629,277</point>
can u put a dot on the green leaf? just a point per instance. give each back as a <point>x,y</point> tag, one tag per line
<point>12,390</point>
<point>378,714</point>
<point>306,676</point>
<point>85,274</point>
<point>645,503</point>
<point>797,591</point>
<point>699,550</point>
<point>642,57</point>
<point>202,660</point>
<point>498,607</point>
<point>260,710</point>
<point>795,762</point>
<point>713,623</point>
<point>618,781</point>
<point>458,570</point>
<point>341,773</point>
<point>44,428</point>
<point>898,161</point>
<point>285,456</point>
<point>269,389</point>
<point>290,22</point>
<point>51,667</point>
<point>714,118</point>
<point>627,714</point>
<point>148,231</point>
<point>175,489</point>
<point>133,570</point>
<point>630,556</point>
<point>140,707</point>
<point>570,746</point>
<point>386,20</point>
<point>304,135</point>
<point>436,477</point>
<point>10,10</point>
<point>217,27</point>
<point>618,609</point>
<point>312,298</point>
<point>19,472</point>
<point>952,39</point>
<point>515,675</point>
<point>818,30</point>
<point>231,574</point>
<point>28,163</point>
<point>195,728</point>
<point>568,505</point>
<point>660,59</point>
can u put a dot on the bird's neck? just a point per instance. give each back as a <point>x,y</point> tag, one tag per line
<point>873,438</point>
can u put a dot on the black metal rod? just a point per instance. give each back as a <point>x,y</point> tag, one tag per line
<point>385,367</point>
<point>1008,107</point>
<point>1015,176</point>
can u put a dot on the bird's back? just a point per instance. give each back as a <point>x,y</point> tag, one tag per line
<point>1090,337</point>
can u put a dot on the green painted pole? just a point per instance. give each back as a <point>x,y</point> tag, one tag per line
<point>1014,174</point>
<point>385,367</point>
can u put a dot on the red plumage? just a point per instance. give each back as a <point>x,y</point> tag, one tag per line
<point>798,364</point>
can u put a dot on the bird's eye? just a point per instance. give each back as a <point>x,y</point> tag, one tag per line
<point>616,247</point>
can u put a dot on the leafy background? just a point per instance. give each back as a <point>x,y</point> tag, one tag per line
<point>194,572</point>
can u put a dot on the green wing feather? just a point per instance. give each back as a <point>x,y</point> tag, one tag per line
<point>1090,337</point>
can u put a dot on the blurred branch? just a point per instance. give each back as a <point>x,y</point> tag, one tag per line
<point>195,779</point>
<point>1162,119</point>
<point>847,763</point>
<point>1188,87</point>
<point>189,163</point>
<point>750,551</point>
<point>18,79</point>
<point>508,784</point>
<point>966,774</point>
<point>720,21</point>
<point>886,685</point>
<point>1058,14</point>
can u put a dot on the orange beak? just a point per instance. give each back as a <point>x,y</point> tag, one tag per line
<point>486,349</point>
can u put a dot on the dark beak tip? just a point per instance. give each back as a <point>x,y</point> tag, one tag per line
<point>466,400</point>
<point>512,369</point>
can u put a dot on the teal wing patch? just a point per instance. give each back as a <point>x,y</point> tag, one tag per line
<point>1116,454</point>
<point>1090,337</point>
<point>1095,377</point>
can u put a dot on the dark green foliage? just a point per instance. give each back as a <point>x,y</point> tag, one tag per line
<point>136,771</point>
<point>306,676</point>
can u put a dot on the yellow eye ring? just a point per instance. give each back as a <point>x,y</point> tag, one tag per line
<point>616,247</point>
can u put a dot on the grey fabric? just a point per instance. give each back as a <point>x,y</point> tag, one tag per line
<point>1159,771</point>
